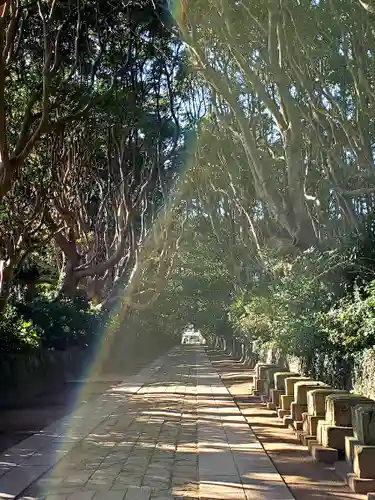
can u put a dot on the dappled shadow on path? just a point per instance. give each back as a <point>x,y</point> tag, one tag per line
<point>150,442</point>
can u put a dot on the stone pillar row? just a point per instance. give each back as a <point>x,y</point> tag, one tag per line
<point>337,426</point>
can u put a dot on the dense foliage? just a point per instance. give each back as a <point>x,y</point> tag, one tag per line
<point>216,168</point>
<point>90,146</point>
<point>50,323</point>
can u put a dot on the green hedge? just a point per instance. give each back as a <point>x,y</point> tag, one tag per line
<point>49,323</point>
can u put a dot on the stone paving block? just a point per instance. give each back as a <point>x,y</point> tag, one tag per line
<point>220,491</point>
<point>110,495</point>
<point>221,464</point>
<point>98,485</point>
<point>58,497</point>
<point>18,478</point>
<point>81,478</point>
<point>257,462</point>
<point>265,485</point>
<point>17,455</point>
<point>134,493</point>
<point>6,467</point>
<point>82,495</point>
<point>63,490</point>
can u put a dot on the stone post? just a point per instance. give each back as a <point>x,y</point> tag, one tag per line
<point>279,387</point>
<point>299,405</point>
<point>337,426</point>
<point>288,398</point>
<point>360,449</point>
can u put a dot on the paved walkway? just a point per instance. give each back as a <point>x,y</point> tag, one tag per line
<point>172,431</point>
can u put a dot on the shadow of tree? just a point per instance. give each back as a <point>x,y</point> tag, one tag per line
<point>165,441</point>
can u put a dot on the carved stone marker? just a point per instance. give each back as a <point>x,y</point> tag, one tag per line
<point>286,402</point>
<point>288,398</point>
<point>270,372</point>
<point>299,404</point>
<point>360,449</point>
<point>279,386</point>
<point>350,442</point>
<point>260,386</point>
<point>279,379</point>
<point>363,419</point>
<point>260,379</point>
<point>333,436</point>
<point>310,423</point>
<point>276,396</point>
<point>337,425</point>
<point>302,388</point>
<point>290,382</point>
<point>339,408</point>
<point>260,369</point>
<point>316,400</point>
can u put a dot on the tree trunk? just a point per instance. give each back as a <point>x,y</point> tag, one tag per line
<point>68,278</point>
<point>93,291</point>
<point>6,276</point>
<point>305,236</point>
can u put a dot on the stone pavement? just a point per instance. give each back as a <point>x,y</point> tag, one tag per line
<point>172,431</point>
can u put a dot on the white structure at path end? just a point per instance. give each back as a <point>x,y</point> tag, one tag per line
<point>191,336</point>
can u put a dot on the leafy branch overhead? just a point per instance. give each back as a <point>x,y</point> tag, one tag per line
<point>216,168</point>
<point>292,84</point>
<point>91,137</point>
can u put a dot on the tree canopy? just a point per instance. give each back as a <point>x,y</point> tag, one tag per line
<point>210,163</point>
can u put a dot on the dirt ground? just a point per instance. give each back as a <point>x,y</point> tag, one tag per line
<point>306,479</point>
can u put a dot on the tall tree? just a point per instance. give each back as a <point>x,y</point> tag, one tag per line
<point>98,98</point>
<point>292,81</point>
